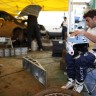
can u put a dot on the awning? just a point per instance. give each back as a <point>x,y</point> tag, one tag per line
<point>15,6</point>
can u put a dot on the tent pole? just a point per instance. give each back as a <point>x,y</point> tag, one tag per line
<point>69,17</point>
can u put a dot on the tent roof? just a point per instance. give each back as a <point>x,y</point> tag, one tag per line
<point>15,6</point>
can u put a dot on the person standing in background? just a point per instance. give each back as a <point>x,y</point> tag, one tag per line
<point>33,32</point>
<point>64,28</point>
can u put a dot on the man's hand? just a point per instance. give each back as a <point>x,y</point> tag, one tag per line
<point>77,32</point>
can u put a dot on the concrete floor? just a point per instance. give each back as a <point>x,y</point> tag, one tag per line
<point>15,80</point>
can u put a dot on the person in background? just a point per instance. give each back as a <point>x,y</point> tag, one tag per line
<point>77,67</point>
<point>33,31</point>
<point>64,28</point>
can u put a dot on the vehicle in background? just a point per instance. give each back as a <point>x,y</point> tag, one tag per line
<point>54,32</point>
<point>41,27</point>
<point>43,30</point>
<point>9,26</point>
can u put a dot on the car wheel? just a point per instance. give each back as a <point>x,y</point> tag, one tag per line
<point>57,92</point>
<point>16,33</point>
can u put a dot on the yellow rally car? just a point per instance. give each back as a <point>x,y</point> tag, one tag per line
<point>10,26</point>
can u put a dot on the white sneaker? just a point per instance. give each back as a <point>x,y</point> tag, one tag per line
<point>69,84</point>
<point>41,50</point>
<point>78,86</point>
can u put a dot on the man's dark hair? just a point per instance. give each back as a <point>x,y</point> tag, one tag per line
<point>65,17</point>
<point>90,13</point>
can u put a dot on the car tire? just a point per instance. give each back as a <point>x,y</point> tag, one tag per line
<point>16,33</point>
<point>57,92</point>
